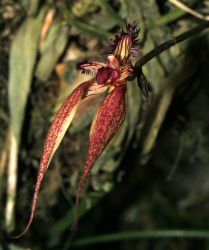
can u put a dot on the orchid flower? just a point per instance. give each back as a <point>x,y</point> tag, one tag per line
<point>111,76</point>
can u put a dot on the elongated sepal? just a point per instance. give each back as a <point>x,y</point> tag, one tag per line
<point>105,125</point>
<point>55,135</point>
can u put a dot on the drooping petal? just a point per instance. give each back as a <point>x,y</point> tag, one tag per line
<point>55,135</point>
<point>107,121</point>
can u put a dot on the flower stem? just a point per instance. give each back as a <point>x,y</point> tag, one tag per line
<point>136,235</point>
<point>166,45</point>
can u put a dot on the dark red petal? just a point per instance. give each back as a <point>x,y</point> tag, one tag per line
<point>103,75</point>
<point>107,121</point>
<point>56,132</point>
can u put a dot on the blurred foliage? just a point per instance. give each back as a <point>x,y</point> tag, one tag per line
<point>153,175</point>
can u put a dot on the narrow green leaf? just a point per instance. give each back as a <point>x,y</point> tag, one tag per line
<point>86,28</point>
<point>52,48</point>
<point>138,235</point>
<point>31,7</point>
<point>22,60</point>
<point>91,29</point>
<point>111,12</point>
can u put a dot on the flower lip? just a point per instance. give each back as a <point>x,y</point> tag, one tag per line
<point>114,74</point>
<point>106,75</point>
<point>103,75</point>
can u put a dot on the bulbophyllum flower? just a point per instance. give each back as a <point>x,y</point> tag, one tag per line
<point>110,76</point>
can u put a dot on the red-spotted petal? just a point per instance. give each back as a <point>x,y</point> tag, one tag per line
<point>55,135</point>
<point>107,121</point>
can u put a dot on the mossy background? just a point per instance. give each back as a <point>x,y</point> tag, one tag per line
<point>154,174</point>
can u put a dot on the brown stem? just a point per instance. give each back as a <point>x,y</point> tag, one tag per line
<point>166,45</point>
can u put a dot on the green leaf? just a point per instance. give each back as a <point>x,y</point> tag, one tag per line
<point>22,60</point>
<point>108,17</point>
<point>52,48</point>
<point>31,7</point>
<point>90,29</point>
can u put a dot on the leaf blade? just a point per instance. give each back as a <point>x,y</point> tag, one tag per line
<point>22,60</point>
